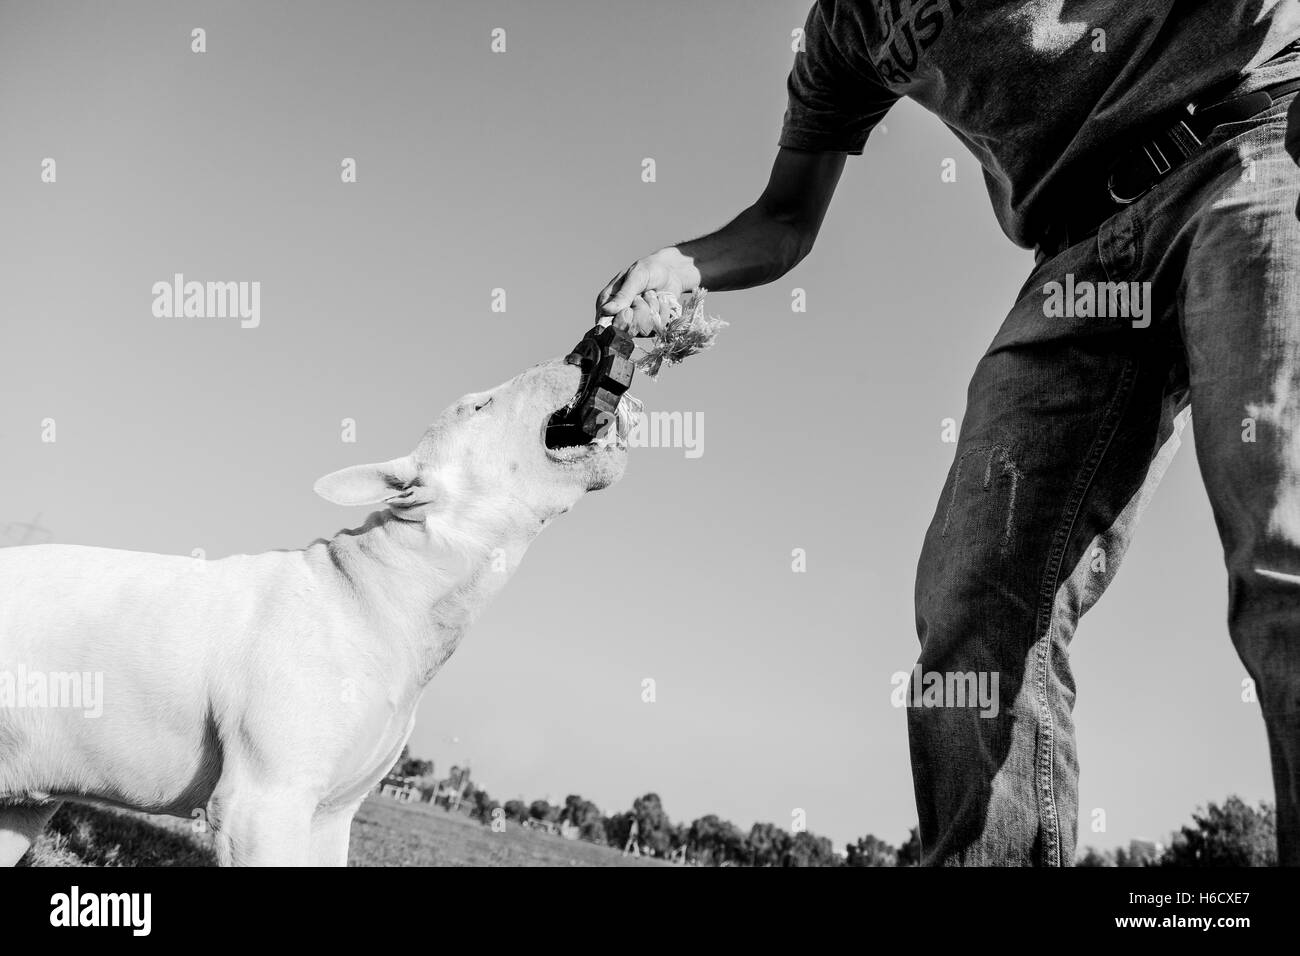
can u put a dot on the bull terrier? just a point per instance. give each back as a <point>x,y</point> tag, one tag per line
<point>268,694</point>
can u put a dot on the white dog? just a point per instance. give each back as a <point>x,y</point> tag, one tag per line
<point>271,692</point>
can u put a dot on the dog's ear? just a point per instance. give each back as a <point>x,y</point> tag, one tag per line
<point>395,483</point>
<point>372,484</point>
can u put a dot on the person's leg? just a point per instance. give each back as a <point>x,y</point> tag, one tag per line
<point>1069,424</point>
<point>1240,313</point>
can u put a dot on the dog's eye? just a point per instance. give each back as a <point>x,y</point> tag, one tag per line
<point>469,408</point>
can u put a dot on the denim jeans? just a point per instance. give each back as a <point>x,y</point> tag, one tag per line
<point>1071,419</point>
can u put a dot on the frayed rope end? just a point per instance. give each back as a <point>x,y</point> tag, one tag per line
<point>687,332</point>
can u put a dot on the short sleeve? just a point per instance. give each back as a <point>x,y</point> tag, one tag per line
<point>833,104</point>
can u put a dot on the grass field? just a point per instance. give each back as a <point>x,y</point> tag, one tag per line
<point>384,833</point>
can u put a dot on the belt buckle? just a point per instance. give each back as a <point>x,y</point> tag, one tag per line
<point>1159,163</point>
<point>1182,141</point>
<point>1124,200</point>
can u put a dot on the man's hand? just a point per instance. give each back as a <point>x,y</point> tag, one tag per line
<point>638,298</point>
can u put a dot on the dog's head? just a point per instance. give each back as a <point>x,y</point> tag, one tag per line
<point>487,459</point>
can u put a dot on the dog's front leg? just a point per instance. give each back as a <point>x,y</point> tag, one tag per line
<point>263,827</point>
<point>20,825</point>
<point>330,836</point>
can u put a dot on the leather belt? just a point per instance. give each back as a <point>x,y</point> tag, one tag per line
<point>1136,170</point>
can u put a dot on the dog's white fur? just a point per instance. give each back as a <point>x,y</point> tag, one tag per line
<point>271,692</point>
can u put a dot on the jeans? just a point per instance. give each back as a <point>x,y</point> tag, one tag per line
<point>1072,416</point>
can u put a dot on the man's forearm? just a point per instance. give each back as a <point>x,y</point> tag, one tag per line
<point>760,245</point>
<point>753,249</point>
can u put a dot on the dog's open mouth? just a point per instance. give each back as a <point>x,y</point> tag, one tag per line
<point>567,438</point>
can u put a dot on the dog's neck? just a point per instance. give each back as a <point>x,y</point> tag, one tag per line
<point>421,582</point>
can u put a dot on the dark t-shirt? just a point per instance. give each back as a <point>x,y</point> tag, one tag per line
<point>1039,90</point>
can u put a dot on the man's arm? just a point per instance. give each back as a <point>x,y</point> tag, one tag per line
<point>835,100</point>
<point>760,245</point>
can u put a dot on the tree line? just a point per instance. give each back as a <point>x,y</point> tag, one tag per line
<point>1231,834</point>
<point>1234,834</point>
<point>707,841</point>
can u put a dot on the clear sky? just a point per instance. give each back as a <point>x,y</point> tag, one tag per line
<point>522,171</point>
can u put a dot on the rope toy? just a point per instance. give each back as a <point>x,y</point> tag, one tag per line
<point>687,332</point>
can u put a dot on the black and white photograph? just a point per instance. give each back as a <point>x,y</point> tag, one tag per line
<point>749,434</point>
